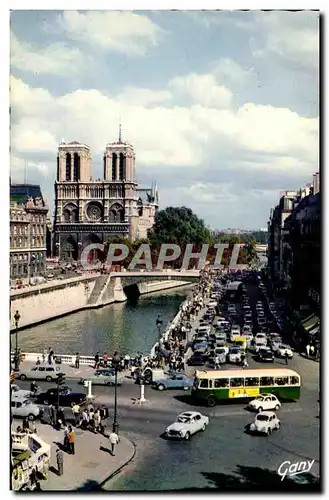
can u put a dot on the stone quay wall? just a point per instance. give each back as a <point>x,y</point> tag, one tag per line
<point>52,300</point>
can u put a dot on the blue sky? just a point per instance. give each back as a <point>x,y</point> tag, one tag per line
<point>221,107</point>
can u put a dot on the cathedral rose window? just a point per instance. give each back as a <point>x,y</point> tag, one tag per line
<point>94,212</point>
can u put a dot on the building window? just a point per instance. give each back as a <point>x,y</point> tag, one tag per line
<point>114,167</point>
<point>122,162</point>
<point>15,229</point>
<point>68,166</point>
<point>76,167</point>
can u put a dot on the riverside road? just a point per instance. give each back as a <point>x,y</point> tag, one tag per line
<point>221,449</point>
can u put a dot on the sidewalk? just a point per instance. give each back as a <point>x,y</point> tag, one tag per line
<point>92,463</point>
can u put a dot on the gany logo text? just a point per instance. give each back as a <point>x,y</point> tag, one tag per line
<point>294,468</point>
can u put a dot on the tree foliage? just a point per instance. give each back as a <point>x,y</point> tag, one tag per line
<point>179,225</point>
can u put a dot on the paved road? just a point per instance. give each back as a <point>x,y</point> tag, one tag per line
<point>210,458</point>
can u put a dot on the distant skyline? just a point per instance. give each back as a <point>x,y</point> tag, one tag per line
<point>221,107</point>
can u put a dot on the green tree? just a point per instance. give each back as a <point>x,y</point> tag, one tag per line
<point>179,225</point>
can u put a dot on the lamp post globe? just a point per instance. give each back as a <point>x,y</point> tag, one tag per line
<point>16,356</point>
<point>116,364</point>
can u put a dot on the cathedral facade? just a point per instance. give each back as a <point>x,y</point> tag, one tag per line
<point>91,210</point>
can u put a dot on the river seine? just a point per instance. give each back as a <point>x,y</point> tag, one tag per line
<point>126,327</point>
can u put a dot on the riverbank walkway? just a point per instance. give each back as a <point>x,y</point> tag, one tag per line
<point>90,467</point>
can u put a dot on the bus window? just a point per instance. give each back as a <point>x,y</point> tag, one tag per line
<point>222,382</point>
<point>294,380</point>
<point>281,381</point>
<point>204,383</point>
<point>252,382</point>
<point>237,382</point>
<point>264,381</point>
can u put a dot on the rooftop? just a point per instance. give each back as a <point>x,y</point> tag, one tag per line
<point>20,193</point>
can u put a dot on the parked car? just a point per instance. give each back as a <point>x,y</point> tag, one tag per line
<point>282,350</point>
<point>264,402</point>
<point>41,372</point>
<point>174,381</point>
<point>265,423</point>
<point>187,424</point>
<point>265,355</point>
<point>66,397</point>
<point>103,377</point>
<point>22,408</point>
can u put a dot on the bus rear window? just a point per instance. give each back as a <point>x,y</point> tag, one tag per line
<point>221,382</point>
<point>294,380</point>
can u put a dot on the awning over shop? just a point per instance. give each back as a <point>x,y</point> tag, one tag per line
<point>310,322</point>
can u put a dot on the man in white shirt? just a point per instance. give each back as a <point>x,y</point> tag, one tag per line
<point>76,413</point>
<point>114,439</point>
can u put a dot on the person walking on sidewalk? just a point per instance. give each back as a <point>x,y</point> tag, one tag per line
<point>286,355</point>
<point>308,350</point>
<point>312,350</point>
<point>96,360</point>
<point>76,413</point>
<point>60,461</point>
<point>114,439</point>
<point>77,361</point>
<point>71,438</point>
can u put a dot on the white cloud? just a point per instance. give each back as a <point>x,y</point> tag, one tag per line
<point>163,136</point>
<point>54,59</point>
<point>121,31</point>
<point>203,89</point>
<point>294,36</point>
<point>227,70</point>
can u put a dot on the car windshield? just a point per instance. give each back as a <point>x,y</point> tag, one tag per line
<point>234,350</point>
<point>260,398</point>
<point>262,418</point>
<point>282,346</point>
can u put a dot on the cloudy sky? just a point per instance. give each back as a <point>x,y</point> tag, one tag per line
<point>221,107</point>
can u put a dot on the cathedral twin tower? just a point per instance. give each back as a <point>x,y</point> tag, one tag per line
<point>92,210</point>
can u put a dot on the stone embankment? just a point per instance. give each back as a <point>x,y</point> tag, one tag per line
<point>61,297</point>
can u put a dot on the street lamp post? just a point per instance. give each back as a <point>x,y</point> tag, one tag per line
<point>115,363</point>
<point>159,323</point>
<point>16,356</point>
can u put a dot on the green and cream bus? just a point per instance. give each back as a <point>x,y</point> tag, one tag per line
<point>213,386</point>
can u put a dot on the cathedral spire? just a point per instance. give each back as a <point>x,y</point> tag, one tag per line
<point>120,139</point>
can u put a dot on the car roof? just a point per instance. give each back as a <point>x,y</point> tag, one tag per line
<point>189,414</point>
<point>267,413</point>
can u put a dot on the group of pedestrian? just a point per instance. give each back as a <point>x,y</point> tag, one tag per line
<point>312,351</point>
<point>48,354</point>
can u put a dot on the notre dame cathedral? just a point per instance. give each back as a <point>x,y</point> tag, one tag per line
<point>91,210</point>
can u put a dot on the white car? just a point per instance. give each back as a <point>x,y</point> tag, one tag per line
<point>282,350</point>
<point>23,408</point>
<point>265,402</point>
<point>256,346</point>
<point>234,355</point>
<point>187,423</point>
<point>265,423</point>
<point>17,392</point>
<point>261,337</point>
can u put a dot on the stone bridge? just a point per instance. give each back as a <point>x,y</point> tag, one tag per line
<point>129,278</point>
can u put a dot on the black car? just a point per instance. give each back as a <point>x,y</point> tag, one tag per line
<point>196,360</point>
<point>265,355</point>
<point>66,397</point>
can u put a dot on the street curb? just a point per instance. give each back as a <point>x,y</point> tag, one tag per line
<point>116,472</point>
